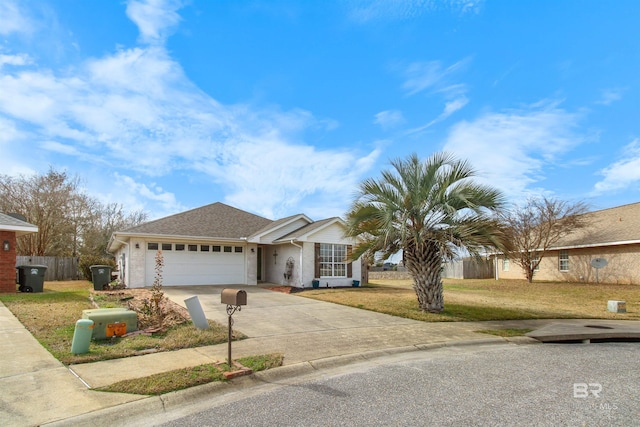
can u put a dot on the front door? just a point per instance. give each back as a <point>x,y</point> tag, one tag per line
<point>259,263</point>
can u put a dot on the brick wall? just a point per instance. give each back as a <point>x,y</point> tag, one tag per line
<point>8,263</point>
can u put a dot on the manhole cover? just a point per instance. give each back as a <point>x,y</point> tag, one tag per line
<point>598,326</point>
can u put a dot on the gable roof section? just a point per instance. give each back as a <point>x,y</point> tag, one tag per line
<point>216,220</point>
<point>9,223</point>
<point>303,233</point>
<point>607,227</point>
<point>280,223</point>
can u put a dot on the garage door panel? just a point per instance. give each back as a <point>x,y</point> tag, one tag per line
<point>198,268</point>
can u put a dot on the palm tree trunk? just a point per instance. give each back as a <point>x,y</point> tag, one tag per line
<point>425,269</point>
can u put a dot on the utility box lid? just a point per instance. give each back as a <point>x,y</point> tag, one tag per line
<point>108,322</point>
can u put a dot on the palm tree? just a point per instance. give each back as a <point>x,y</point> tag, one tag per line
<point>430,210</point>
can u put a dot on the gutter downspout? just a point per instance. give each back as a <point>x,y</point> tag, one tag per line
<point>299,247</point>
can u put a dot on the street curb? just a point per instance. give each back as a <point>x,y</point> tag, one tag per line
<point>159,404</point>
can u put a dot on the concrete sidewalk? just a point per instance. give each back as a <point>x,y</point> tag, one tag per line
<point>37,389</point>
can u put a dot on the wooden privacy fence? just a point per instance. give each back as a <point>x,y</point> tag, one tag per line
<point>58,268</point>
<point>468,269</point>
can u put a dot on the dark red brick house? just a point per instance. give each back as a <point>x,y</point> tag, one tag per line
<point>10,229</point>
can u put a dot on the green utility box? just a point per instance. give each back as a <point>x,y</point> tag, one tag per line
<point>109,322</point>
<point>31,278</point>
<point>100,276</point>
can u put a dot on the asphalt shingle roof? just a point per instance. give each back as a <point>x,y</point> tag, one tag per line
<point>619,224</point>
<point>9,221</point>
<point>216,220</point>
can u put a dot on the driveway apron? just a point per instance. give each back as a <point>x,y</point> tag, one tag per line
<point>305,329</point>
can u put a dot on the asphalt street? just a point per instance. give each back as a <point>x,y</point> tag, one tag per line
<point>550,384</point>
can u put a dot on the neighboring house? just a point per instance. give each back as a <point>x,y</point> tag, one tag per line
<point>220,245</point>
<point>11,226</point>
<point>612,234</point>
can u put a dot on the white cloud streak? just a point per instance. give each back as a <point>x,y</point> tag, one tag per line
<point>389,119</point>
<point>622,174</point>
<point>13,19</point>
<point>364,11</point>
<point>510,148</point>
<point>156,19</point>
<point>609,96</point>
<point>135,110</point>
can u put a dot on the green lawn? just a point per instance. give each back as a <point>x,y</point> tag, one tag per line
<point>51,316</point>
<point>477,300</point>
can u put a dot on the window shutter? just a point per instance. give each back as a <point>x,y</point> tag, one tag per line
<point>317,260</point>
<point>349,262</point>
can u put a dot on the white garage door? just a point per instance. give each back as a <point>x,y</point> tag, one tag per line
<point>186,264</point>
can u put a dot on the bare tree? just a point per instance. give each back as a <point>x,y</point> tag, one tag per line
<point>107,219</point>
<point>44,201</point>
<point>538,226</point>
<point>69,221</point>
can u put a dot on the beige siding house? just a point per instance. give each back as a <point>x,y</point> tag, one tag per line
<point>612,234</point>
<point>220,245</point>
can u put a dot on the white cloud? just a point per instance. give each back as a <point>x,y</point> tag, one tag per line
<point>135,110</point>
<point>389,119</point>
<point>363,11</point>
<point>20,59</point>
<point>420,76</point>
<point>12,160</point>
<point>137,196</point>
<point>622,174</point>
<point>12,19</point>
<point>609,96</point>
<point>155,18</point>
<point>273,177</point>
<point>449,108</point>
<point>510,148</point>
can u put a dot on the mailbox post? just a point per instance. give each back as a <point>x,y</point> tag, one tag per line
<point>234,299</point>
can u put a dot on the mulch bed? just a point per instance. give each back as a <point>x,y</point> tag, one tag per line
<point>139,299</point>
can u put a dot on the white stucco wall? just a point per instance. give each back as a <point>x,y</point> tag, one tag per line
<point>252,264</point>
<point>276,266</point>
<point>136,263</point>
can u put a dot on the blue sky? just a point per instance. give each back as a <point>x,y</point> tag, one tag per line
<point>283,107</point>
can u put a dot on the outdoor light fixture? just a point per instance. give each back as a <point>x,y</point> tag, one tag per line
<point>6,246</point>
<point>252,250</point>
<point>137,245</point>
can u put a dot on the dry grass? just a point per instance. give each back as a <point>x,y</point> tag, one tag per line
<point>475,300</point>
<point>188,377</point>
<point>51,316</point>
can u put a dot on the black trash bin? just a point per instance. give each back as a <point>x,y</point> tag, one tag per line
<point>31,277</point>
<point>100,276</point>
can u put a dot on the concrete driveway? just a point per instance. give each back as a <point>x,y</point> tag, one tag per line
<point>305,329</point>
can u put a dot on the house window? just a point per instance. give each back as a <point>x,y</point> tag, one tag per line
<point>193,248</point>
<point>152,246</point>
<point>333,260</point>
<point>204,248</point>
<point>166,246</point>
<point>179,246</point>
<point>505,264</point>
<point>535,260</point>
<point>238,249</point>
<point>215,248</point>
<point>563,260</point>
<point>227,248</point>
